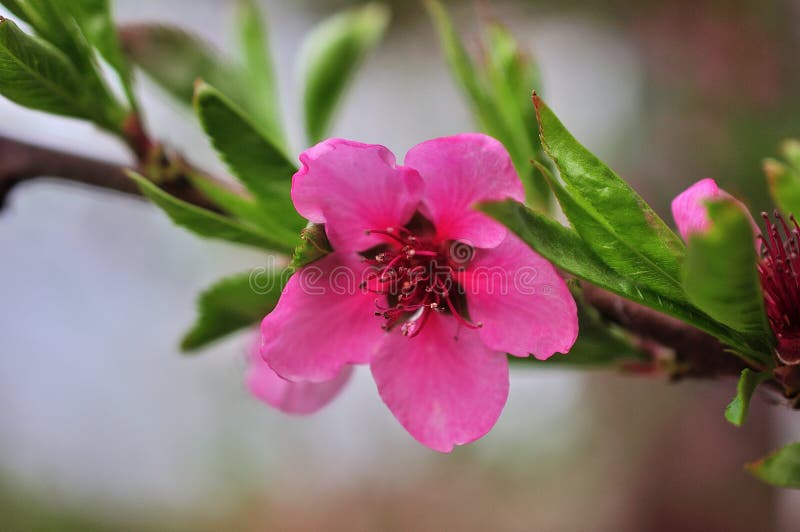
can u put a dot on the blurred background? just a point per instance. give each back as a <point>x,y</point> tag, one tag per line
<point>105,426</point>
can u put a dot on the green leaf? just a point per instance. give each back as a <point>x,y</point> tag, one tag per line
<point>511,76</point>
<point>243,207</point>
<point>57,22</point>
<point>612,247</point>
<point>313,246</point>
<point>259,164</point>
<point>232,304</point>
<point>720,274</point>
<point>95,20</point>
<point>330,58</point>
<point>461,65</point>
<point>206,223</point>
<point>175,59</point>
<point>736,411</point>
<point>260,71</point>
<point>36,75</point>
<point>617,222</point>
<point>784,185</point>
<point>781,468</point>
<point>790,149</point>
<point>17,8</point>
<point>499,96</point>
<point>567,250</point>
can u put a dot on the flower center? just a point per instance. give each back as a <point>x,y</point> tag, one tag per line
<point>418,276</point>
<point>779,268</point>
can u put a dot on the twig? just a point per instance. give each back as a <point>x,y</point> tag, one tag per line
<point>698,354</point>
<point>21,161</point>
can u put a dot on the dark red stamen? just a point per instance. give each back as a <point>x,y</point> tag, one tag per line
<point>417,276</point>
<point>779,268</point>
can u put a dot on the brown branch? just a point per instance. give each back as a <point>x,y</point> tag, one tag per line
<point>21,161</point>
<point>698,354</point>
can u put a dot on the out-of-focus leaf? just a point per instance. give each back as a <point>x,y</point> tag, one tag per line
<point>720,274</point>
<point>175,59</point>
<point>17,8</point>
<point>736,411</point>
<point>36,75</point>
<point>511,77</point>
<point>615,220</point>
<point>781,468</point>
<point>790,149</point>
<point>232,304</point>
<point>260,72</point>
<point>54,22</point>
<point>330,58</point>
<point>499,96</point>
<point>206,223</point>
<point>252,157</point>
<point>313,246</point>
<point>784,185</point>
<point>462,66</point>
<point>94,18</point>
<point>243,208</point>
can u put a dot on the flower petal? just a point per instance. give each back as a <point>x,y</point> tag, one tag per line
<point>688,207</point>
<point>322,321</point>
<point>524,306</point>
<point>460,171</point>
<point>444,386</point>
<point>298,398</point>
<point>353,187</point>
<point>689,210</point>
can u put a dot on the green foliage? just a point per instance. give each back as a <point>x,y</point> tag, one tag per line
<point>781,468</point>
<point>259,70</point>
<point>565,248</point>
<point>499,94</point>
<point>175,59</point>
<point>36,75</point>
<point>784,179</point>
<point>232,304</point>
<point>720,275</point>
<point>736,411</point>
<point>313,246</point>
<point>56,73</point>
<point>94,19</point>
<point>206,223</point>
<point>331,55</point>
<point>610,216</point>
<point>252,157</point>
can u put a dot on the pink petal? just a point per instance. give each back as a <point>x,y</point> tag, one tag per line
<point>444,386</point>
<point>354,187</point>
<point>524,306</point>
<point>322,321</point>
<point>291,397</point>
<point>689,209</point>
<point>459,172</point>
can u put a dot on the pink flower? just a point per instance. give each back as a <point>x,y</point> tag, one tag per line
<point>778,267</point>
<point>299,398</point>
<point>429,292</point>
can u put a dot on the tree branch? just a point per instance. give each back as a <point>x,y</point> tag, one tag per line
<point>698,354</point>
<point>21,161</point>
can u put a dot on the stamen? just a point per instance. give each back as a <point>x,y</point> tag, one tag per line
<point>411,276</point>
